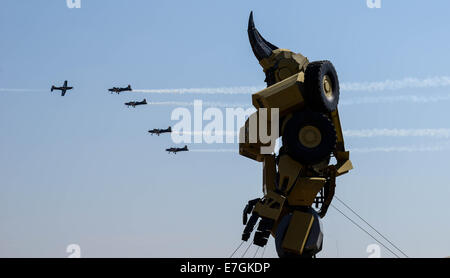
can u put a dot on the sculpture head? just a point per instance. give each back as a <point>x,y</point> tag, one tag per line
<point>277,63</point>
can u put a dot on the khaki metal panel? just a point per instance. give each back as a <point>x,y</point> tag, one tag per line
<point>288,169</point>
<point>271,205</point>
<point>305,191</point>
<point>297,232</point>
<point>285,95</point>
<point>345,167</point>
<point>252,151</point>
<point>343,157</point>
<point>249,149</point>
<point>337,125</point>
<point>269,173</point>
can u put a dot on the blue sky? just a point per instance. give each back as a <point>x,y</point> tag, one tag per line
<point>81,169</point>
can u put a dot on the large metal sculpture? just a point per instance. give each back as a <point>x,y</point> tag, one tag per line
<point>305,95</point>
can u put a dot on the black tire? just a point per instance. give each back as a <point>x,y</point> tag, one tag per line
<point>309,137</point>
<point>318,97</point>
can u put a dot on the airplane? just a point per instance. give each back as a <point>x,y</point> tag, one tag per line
<point>175,150</point>
<point>136,103</point>
<point>63,89</point>
<point>158,131</point>
<point>119,90</point>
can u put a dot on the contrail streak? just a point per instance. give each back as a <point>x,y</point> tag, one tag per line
<point>204,103</point>
<point>386,85</point>
<point>408,149</point>
<point>392,99</point>
<point>22,90</point>
<point>391,85</point>
<point>215,150</point>
<point>205,91</point>
<point>345,101</point>
<point>351,133</point>
<point>400,149</point>
<point>367,133</point>
<point>207,133</point>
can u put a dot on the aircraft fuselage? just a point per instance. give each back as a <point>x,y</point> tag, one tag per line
<point>175,150</point>
<point>136,103</point>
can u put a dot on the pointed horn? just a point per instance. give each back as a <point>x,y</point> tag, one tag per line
<point>261,48</point>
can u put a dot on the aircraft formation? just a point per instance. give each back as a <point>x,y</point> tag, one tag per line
<point>133,104</point>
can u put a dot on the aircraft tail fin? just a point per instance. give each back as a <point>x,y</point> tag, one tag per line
<point>145,101</point>
<point>169,128</point>
<point>53,87</point>
<point>129,87</point>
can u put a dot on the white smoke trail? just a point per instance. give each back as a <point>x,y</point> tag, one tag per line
<point>443,133</point>
<point>399,149</point>
<point>343,101</point>
<point>207,91</point>
<point>21,90</point>
<point>367,133</point>
<point>204,103</point>
<point>392,99</point>
<point>391,85</point>
<point>408,149</point>
<point>215,150</point>
<point>386,85</point>
<point>208,133</point>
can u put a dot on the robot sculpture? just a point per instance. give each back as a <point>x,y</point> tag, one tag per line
<point>301,178</point>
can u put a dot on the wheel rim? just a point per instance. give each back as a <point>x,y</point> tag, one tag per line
<point>310,136</point>
<point>327,87</point>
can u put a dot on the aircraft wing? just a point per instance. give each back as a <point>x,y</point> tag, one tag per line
<point>63,92</point>
<point>65,83</point>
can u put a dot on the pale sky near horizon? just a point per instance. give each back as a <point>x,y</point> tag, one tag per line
<point>82,169</point>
